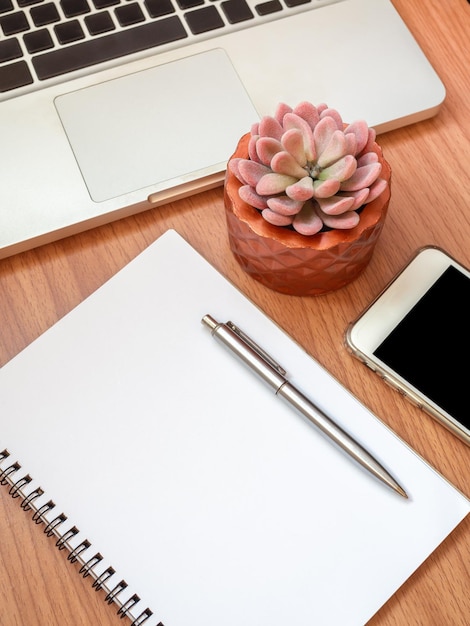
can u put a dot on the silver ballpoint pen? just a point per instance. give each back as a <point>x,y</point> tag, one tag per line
<point>275,376</point>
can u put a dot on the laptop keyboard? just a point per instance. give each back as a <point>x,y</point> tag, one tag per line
<point>44,40</point>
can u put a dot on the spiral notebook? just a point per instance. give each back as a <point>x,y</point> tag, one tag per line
<point>183,486</point>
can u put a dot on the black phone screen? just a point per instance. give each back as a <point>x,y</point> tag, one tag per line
<point>430,347</point>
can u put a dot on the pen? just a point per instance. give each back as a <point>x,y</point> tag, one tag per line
<point>275,376</point>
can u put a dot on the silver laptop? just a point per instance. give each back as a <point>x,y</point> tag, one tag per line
<point>111,107</point>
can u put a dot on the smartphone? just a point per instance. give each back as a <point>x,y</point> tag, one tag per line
<point>416,336</point>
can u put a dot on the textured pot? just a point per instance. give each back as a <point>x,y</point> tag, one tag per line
<point>294,264</point>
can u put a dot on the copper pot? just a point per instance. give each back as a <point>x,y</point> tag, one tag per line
<point>294,264</point>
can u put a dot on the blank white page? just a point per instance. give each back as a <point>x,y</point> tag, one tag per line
<point>214,500</point>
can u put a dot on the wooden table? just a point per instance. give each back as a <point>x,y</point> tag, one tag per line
<point>430,205</point>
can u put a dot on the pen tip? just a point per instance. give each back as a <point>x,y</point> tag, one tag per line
<point>401,491</point>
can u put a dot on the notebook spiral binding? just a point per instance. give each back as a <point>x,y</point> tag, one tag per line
<point>17,486</point>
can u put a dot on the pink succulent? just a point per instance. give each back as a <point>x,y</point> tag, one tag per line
<point>308,170</point>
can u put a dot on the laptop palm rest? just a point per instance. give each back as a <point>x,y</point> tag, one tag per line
<point>160,144</point>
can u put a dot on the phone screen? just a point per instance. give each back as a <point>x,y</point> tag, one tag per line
<point>430,347</point>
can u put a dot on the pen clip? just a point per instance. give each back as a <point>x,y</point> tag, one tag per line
<point>254,346</point>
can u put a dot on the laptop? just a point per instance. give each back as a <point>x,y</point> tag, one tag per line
<point>111,107</point>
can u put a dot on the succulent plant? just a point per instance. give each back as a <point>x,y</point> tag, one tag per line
<point>308,170</point>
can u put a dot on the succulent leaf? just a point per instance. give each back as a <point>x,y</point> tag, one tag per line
<point>336,149</point>
<point>233,167</point>
<point>322,133</point>
<point>368,157</point>
<point>344,221</point>
<point>293,142</point>
<point>270,127</point>
<point>272,184</point>
<point>291,120</point>
<point>281,110</point>
<point>266,148</point>
<point>335,205</point>
<point>276,218</point>
<point>285,205</point>
<point>294,122</point>
<point>334,115</point>
<point>301,190</point>
<point>351,143</point>
<point>325,188</point>
<point>362,177</point>
<point>370,142</point>
<point>360,197</point>
<point>341,170</point>
<point>307,221</point>
<point>252,153</point>
<point>376,189</point>
<point>249,195</point>
<point>360,130</point>
<point>308,112</point>
<point>284,162</point>
<point>251,172</point>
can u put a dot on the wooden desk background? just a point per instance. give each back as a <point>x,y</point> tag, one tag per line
<point>430,205</point>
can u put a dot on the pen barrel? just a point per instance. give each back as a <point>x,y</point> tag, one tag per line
<point>248,355</point>
<point>315,415</point>
<point>354,449</point>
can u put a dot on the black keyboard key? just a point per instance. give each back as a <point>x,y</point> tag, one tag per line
<point>266,8</point>
<point>236,11</point>
<point>203,20</point>
<point>14,75</point>
<point>27,3</point>
<point>296,3</point>
<point>158,8</point>
<point>72,8</point>
<point>129,14</point>
<point>5,6</point>
<point>99,23</point>
<point>189,4</point>
<point>45,14</point>
<point>108,47</point>
<point>10,49</point>
<point>104,4</point>
<point>38,41</point>
<point>14,23</point>
<point>69,32</point>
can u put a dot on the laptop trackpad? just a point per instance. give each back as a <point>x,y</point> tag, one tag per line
<point>161,127</point>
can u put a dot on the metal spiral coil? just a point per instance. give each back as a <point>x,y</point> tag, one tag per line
<point>16,490</point>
